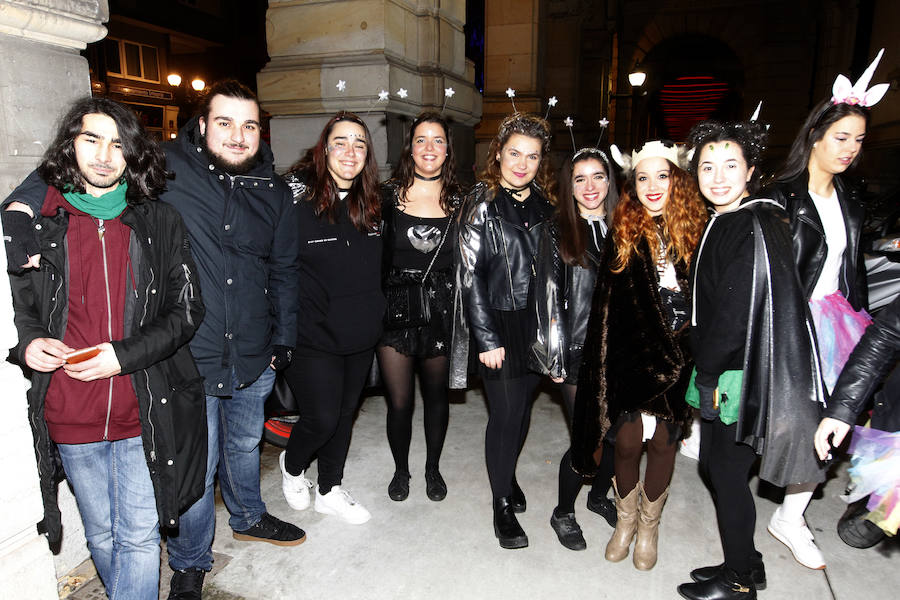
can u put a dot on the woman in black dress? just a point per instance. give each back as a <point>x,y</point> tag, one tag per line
<point>420,202</point>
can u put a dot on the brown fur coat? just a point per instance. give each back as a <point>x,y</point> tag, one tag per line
<point>633,361</point>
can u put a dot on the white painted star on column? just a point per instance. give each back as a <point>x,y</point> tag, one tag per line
<point>402,93</point>
<point>341,85</point>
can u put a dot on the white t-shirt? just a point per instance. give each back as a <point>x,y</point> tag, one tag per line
<point>832,218</point>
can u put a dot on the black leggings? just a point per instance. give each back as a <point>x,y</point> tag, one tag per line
<point>726,465</point>
<point>327,388</point>
<point>509,408</point>
<point>397,372</point>
<point>570,482</point>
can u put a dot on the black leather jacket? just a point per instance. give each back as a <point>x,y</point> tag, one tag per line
<point>562,302</point>
<point>809,237</point>
<point>874,356</point>
<point>497,258</point>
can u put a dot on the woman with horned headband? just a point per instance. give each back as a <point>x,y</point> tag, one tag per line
<point>420,202</point>
<point>341,309</point>
<point>826,221</point>
<point>754,356</point>
<point>500,226</point>
<point>636,361</point>
<point>569,254</point>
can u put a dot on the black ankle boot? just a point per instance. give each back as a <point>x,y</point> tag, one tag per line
<point>517,497</point>
<point>506,526</point>
<point>726,584</point>
<point>757,573</point>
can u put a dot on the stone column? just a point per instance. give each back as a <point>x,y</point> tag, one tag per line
<point>371,45</point>
<point>41,72</point>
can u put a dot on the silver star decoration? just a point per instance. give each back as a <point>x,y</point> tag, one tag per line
<point>448,92</point>
<point>402,93</point>
<point>431,293</point>
<point>604,122</point>
<point>439,345</point>
<point>552,101</point>
<point>341,85</point>
<point>569,122</point>
<point>510,92</point>
<point>383,95</point>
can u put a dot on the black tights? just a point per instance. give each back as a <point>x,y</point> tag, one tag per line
<point>509,407</point>
<point>661,449</point>
<point>726,465</point>
<point>397,372</point>
<point>570,482</point>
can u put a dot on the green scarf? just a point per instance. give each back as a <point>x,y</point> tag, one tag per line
<point>108,206</point>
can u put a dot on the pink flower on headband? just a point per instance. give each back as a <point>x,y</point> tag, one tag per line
<point>843,92</point>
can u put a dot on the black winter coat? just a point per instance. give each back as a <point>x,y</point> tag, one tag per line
<point>808,235</point>
<point>243,232</point>
<point>162,311</point>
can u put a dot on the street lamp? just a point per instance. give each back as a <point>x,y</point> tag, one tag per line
<point>174,79</point>
<point>637,78</point>
<point>198,84</point>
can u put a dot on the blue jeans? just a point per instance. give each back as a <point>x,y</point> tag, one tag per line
<point>235,426</point>
<point>118,508</point>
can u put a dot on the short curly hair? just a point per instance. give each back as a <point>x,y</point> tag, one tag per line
<point>750,136</point>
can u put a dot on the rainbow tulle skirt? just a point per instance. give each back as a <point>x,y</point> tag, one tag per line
<point>875,472</point>
<point>838,329</point>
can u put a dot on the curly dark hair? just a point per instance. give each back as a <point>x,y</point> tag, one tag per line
<point>404,172</point>
<point>531,126</point>
<point>145,164</point>
<point>363,201</point>
<point>683,219</point>
<point>813,129</point>
<point>750,136</point>
<point>572,238</point>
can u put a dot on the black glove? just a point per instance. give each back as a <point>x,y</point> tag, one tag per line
<point>706,385</point>
<point>281,357</point>
<point>20,237</point>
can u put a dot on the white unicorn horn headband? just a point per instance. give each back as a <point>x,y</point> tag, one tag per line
<point>654,149</point>
<point>843,92</point>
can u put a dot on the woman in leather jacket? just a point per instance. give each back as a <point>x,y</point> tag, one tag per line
<point>569,254</point>
<point>745,295</point>
<point>636,361</point>
<point>500,226</point>
<point>826,221</point>
<point>419,233</point>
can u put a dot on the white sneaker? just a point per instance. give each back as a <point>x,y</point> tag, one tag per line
<point>799,539</point>
<point>295,487</point>
<point>339,502</point>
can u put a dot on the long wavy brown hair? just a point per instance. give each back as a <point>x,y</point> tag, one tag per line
<point>683,218</point>
<point>531,126</point>
<point>363,201</point>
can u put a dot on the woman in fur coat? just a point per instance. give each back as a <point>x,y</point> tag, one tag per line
<point>636,362</point>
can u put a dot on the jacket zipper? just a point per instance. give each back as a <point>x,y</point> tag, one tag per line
<point>100,231</point>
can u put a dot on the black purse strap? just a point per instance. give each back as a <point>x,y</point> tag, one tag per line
<point>438,251</point>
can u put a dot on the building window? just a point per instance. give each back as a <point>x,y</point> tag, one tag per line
<point>131,60</point>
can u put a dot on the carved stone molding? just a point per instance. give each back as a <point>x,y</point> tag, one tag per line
<point>70,24</point>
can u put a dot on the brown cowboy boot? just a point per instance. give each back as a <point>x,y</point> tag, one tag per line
<point>626,525</point>
<point>648,530</point>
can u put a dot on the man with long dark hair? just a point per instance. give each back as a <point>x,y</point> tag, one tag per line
<point>103,329</point>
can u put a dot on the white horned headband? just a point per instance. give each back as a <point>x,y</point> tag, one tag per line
<point>654,149</point>
<point>843,92</point>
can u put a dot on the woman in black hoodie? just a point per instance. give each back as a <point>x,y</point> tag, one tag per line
<point>341,309</point>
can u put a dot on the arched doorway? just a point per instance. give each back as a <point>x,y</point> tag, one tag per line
<point>689,78</point>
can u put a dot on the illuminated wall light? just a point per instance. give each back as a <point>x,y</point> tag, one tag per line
<point>198,84</point>
<point>637,78</point>
<point>174,79</point>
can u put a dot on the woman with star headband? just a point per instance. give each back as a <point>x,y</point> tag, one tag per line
<point>636,362</point>
<point>335,185</point>
<point>753,354</point>
<point>500,225</point>
<point>826,222</point>
<point>568,257</point>
<point>419,232</point>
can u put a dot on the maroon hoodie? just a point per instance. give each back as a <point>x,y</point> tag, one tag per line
<point>105,409</point>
